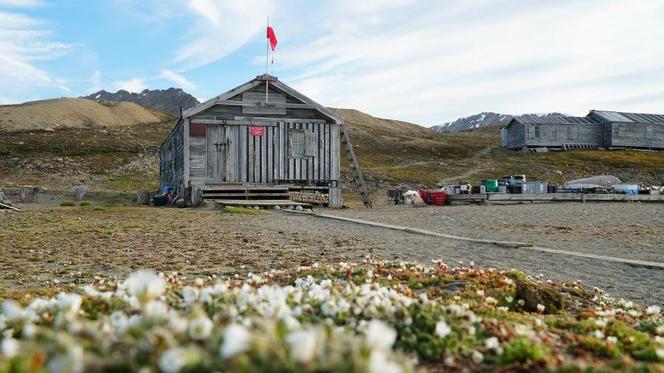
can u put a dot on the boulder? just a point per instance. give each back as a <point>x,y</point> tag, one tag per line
<point>79,192</point>
<point>143,198</point>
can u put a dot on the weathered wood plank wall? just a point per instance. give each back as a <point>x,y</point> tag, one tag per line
<point>171,163</point>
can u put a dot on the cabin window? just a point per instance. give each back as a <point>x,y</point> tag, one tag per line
<point>571,133</point>
<point>537,132</point>
<point>554,133</point>
<point>297,143</point>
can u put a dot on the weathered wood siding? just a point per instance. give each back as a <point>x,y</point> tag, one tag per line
<point>555,135</point>
<point>513,136</point>
<point>636,135</point>
<point>171,163</point>
<point>229,153</point>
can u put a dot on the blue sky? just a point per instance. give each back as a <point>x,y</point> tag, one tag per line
<point>426,61</point>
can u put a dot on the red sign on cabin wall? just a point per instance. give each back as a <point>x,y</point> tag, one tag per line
<point>257,131</point>
<point>197,129</point>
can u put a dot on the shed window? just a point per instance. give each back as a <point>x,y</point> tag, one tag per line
<point>537,132</point>
<point>297,143</point>
<point>571,133</point>
<point>554,133</point>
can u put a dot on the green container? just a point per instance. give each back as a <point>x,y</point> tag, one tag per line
<point>491,185</point>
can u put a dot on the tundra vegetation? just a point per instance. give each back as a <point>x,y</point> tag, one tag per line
<point>378,316</point>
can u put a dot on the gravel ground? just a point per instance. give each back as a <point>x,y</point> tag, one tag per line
<point>42,244</point>
<point>545,224</point>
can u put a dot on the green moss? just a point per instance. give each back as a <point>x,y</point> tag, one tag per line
<point>523,351</point>
<point>85,203</point>
<point>242,210</point>
<point>67,204</point>
<point>637,343</point>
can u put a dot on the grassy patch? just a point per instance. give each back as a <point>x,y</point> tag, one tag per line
<point>243,210</point>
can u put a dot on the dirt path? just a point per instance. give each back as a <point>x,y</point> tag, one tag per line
<point>474,169</point>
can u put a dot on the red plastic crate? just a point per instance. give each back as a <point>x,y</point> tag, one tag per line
<point>438,197</point>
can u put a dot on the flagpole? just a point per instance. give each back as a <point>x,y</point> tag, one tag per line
<point>267,54</point>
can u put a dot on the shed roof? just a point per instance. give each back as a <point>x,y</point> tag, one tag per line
<point>554,120</point>
<point>619,116</point>
<point>259,80</point>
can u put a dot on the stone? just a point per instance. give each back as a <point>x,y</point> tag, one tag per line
<point>181,203</point>
<point>534,294</point>
<point>298,208</point>
<point>79,192</point>
<point>143,198</point>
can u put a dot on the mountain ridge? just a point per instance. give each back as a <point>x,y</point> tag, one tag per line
<point>482,120</point>
<point>165,100</point>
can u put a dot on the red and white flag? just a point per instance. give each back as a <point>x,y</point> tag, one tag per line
<point>273,38</point>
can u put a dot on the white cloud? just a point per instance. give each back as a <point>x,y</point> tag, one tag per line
<point>24,41</point>
<point>22,3</point>
<point>177,79</point>
<point>135,85</point>
<point>433,61</point>
<point>220,28</point>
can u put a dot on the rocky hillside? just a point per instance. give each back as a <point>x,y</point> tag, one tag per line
<point>482,120</point>
<point>48,115</point>
<point>167,100</point>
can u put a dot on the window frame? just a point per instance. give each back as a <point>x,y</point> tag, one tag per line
<point>293,135</point>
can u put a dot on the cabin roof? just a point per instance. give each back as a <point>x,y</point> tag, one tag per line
<point>259,80</point>
<point>620,116</point>
<point>553,120</point>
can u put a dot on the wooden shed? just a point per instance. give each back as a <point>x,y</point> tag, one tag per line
<point>631,130</point>
<point>253,143</point>
<point>552,132</point>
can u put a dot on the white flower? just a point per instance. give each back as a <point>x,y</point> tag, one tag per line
<point>236,340</point>
<point>521,302</point>
<point>70,304</point>
<point>200,328</point>
<point>302,345</point>
<point>611,340</point>
<point>119,321</point>
<point>177,324</point>
<point>380,335</point>
<point>660,330</point>
<point>12,310</point>
<point>442,329</point>
<point>173,360</point>
<point>492,343</point>
<point>540,307</point>
<point>477,357</point>
<point>601,323</point>
<point>509,299</point>
<point>145,285</point>
<point>190,294</point>
<point>502,309</point>
<point>10,347</point>
<point>378,363</point>
<point>651,310</point>
<point>155,309</point>
<point>480,293</point>
<point>490,300</point>
<point>599,334</point>
<point>660,353</point>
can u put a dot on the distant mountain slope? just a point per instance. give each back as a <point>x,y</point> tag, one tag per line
<point>74,113</point>
<point>486,119</point>
<point>165,100</point>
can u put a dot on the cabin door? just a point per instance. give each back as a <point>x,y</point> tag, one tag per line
<point>216,153</point>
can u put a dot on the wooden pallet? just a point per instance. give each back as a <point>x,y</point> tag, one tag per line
<point>247,193</point>
<point>260,203</point>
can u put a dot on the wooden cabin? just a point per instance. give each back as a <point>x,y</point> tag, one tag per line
<point>249,143</point>
<point>552,132</point>
<point>631,130</point>
<point>599,129</point>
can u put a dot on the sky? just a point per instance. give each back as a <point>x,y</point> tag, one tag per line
<point>426,61</point>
